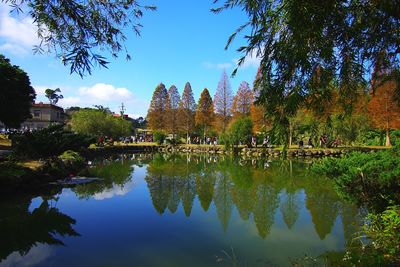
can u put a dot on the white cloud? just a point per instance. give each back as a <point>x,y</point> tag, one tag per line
<point>116,190</point>
<point>102,91</point>
<point>71,101</point>
<point>221,66</point>
<point>252,60</point>
<point>13,48</point>
<point>103,94</point>
<point>36,255</point>
<point>18,34</point>
<point>134,116</point>
<point>40,90</point>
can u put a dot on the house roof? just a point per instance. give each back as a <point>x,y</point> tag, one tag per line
<point>43,105</point>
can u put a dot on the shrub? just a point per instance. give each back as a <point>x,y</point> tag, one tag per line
<point>159,137</point>
<point>384,230</point>
<point>240,131</point>
<point>48,142</point>
<point>72,160</point>
<point>366,178</point>
<point>224,139</point>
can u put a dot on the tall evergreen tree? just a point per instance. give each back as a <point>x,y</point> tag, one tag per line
<point>205,111</point>
<point>242,101</point>
<point>223,102</point>
<point>187,109</point>
<point>173,103</point>
<point>156,115</point>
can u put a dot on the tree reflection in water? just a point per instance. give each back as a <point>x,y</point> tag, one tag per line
<point>256,188</point>
<point>21,229</point>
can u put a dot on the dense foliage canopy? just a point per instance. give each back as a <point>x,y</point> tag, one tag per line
<point>16,94</point>
<point>95,122</point>
<point>53,96</point>
<point>309,47</point>
<point>51,141</point>
<point>240,131</point>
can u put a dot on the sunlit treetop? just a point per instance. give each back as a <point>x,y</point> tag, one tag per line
<point>81,32</point>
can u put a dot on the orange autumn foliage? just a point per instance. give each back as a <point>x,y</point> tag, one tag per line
<point>257,114</point>
<point>383,110</point>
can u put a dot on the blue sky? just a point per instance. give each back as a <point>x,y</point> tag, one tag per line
<point>181,41</point>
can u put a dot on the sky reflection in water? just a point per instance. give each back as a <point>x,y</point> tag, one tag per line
<point>179,210</point>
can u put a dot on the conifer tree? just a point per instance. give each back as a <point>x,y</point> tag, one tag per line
<point>156,115</point>
<point>242,101</point>
<point>205,111</point>
<point>383,110</point>
<point>187,109</point>
<point>223,102</point>
<point>173,103</point>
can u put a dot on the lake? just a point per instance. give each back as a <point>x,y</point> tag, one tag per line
<point>180,210</point>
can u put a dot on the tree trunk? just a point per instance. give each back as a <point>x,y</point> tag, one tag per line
<point>290,134</point>
<point>388,138</point>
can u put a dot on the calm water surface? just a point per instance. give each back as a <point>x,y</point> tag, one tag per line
<point>179,210</point>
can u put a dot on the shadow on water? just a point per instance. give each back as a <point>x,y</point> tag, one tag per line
<point>22,229</point>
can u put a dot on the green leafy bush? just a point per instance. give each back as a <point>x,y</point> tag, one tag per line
<point>72,160</point>
<point>48,142</point>
<point>159,137</point>
<point>224,139</point>
<point>366,178</point>
<point>240,131</point>
<point>384,230</point>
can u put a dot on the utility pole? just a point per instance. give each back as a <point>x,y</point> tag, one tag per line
<point>122,109</point>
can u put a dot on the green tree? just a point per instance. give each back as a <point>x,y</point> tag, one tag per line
<point>205,111</point>
<point>240,131</point>
<point>156,115</point>
<point>187,109</point>
<point>53,95</point>
<point>16,94</point>
<point>98,123</point>
<point>305,46</point>
<point>75,30</point>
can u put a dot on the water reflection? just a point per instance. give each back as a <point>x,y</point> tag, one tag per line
<point>268,209</point>
<point>21,230</point>
<point>257,192</point>
<point>116,174</point>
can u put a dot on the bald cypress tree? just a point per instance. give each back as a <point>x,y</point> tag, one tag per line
<point>156,115</point>
<point>187,109</point>
<point>242,101</point>
<point>172,108</point>
<point>205,111</point>
<point>223,102</point>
